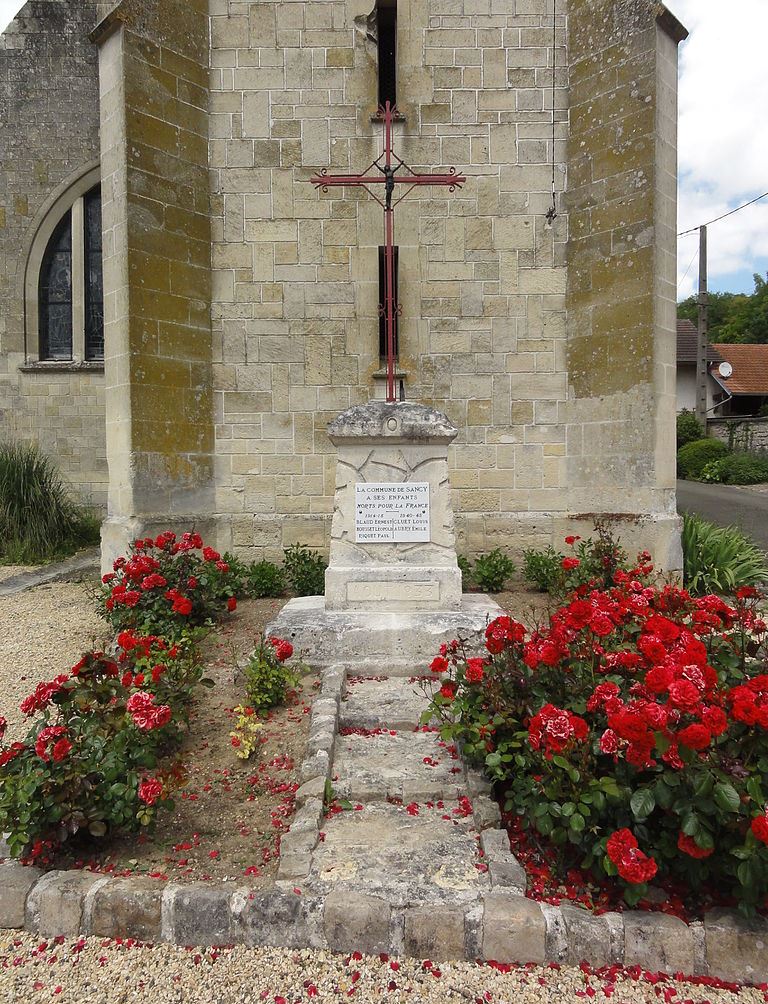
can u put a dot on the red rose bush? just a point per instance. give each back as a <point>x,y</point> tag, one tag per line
<point>91,759</point>
<point>167,585</point>
<point>630,733</point>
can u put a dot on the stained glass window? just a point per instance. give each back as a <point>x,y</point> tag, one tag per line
<point>94,284</point>
<point>55,294</point>
<point>71,286</point>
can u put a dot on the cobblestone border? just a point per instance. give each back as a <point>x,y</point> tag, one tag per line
<point>503,925</point>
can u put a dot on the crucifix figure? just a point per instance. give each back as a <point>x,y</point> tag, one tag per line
<point>388,164</point>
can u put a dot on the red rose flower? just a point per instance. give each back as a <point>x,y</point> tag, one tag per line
<point>145,713</point>
<point>695,737</point>
<point>61,749</point>
<point>569,564</point>
<point>11,753</point>
<point>231,604</point>
<point>715,719</point>
<point>759,827</point>
<point>150,790</point>
<point>45,738</point>
<point>571,539</point>
<point>689,846</point>
<point>448,690</point>
<point>609,742</point>
<point>182,605</point>
<point>684,695</point>
<point>439,664</point>
<point>475,670</point>
<point>631,863</point>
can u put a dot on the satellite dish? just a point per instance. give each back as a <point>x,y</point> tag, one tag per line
<point>725,370</point>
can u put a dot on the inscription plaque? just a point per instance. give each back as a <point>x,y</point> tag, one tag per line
<point>391,513</point>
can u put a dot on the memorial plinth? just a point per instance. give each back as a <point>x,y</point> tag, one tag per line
<point>393,545</point>
<point>393,584</point>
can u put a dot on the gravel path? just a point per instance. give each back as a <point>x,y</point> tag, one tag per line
<point>92,971</point>
<point>44,632</point>
<point>8,571</point>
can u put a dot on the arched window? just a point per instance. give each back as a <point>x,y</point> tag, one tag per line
<point>64,289</point>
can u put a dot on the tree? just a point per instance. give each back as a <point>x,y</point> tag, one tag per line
<point>733,317</point>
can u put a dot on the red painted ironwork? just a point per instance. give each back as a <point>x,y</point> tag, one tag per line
<point>387,165</point>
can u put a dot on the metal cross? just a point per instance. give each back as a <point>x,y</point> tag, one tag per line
<point>388,164</point>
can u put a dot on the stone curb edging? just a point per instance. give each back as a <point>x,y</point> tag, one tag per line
<point>503,925</point>
<point>83,561</point>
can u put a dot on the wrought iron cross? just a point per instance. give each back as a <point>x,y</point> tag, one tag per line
<point>388,164</point>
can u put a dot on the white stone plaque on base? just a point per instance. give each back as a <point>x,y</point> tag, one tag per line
<point>391,513</point>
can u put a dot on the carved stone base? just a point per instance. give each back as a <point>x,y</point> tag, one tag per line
<point>392,444</point>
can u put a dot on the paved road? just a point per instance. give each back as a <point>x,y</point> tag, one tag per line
<point>726,505</point>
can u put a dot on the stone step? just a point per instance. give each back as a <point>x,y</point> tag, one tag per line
<point>412,766</point>
<point>404,643</point>
<point>392,702</point>
<point>404,854</point>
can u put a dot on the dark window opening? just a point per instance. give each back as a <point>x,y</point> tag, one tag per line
<point>94,280</point>
<point>383,303</point>
<point>55,294</point>
<point>386,25</point>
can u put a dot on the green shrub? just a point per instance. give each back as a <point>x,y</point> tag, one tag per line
<point>264,578</point>
<point>593,562</point>
<point>744,469</point>
<point>719,559</point>
<point>712,473</point>
<point>492,570</point>
<point>267,678</point>
<point>542,569</point>
<point>689,428</point>
<point>693,457</point>
<point>305,570</point>
<point>38,518</point>
<point>465,566</point>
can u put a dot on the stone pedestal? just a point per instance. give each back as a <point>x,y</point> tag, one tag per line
<point>389,603</point>
<point>393,546</point>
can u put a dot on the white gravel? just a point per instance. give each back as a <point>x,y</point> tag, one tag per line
<point>93,971</point>
<point>43,632</point>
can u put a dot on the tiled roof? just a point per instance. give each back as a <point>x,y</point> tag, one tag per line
<point>750,368</point>
<point>687,336</point>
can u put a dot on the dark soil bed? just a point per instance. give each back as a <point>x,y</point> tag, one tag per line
<point>229,813</point>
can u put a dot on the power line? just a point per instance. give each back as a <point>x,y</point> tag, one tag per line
<point>685,274</point>
<point>718,218</point>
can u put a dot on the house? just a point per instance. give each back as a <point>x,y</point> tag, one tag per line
<point>182,312</point>
<point>687,344</point>
<point>742,379</point>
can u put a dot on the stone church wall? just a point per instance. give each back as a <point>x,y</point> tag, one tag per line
<point>49,134</point>
<point>482,273</point>
<point>154,143</point>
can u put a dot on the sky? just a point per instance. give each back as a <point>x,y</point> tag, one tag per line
<point>723,141</point>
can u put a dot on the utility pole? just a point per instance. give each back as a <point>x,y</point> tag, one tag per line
<point>701,349</point>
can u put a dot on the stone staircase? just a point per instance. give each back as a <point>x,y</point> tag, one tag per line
<point>400,844</point>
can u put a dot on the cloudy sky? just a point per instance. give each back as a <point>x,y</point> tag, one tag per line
<point>723,138</point>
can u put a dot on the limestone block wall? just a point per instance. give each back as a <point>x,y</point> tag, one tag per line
<point>482,273</point>
<point>154,140</point>
<point>49,136</point>
<point>622,202</point>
